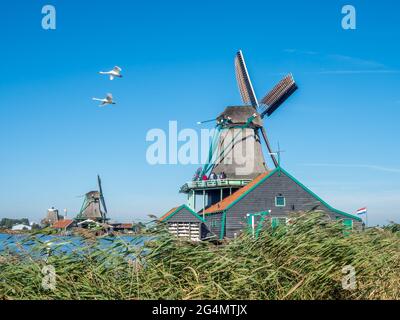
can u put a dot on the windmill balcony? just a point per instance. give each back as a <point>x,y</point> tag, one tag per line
<point>214,184</point>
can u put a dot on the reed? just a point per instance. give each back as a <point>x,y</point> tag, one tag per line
<point>300,261</point>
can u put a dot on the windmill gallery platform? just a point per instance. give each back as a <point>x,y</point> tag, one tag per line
<point>234,199</point>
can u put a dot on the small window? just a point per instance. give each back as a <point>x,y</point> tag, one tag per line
<point>280,201</point>
<point>275,222</point>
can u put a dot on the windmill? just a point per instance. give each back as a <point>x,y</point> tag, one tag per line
<point>240,127</point>
<point>94,206</point>
<point>237,128</point>
<point>271,101</point>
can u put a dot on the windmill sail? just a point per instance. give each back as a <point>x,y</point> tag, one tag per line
<point>103,203</point>
<point>244,83</point>
<point>282,91</point>
<point>264,134</point>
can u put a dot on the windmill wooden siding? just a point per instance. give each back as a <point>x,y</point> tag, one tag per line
<point>262,197</point>
<point>235,141</point>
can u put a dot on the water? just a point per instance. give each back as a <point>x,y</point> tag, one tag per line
<point>63,244</point>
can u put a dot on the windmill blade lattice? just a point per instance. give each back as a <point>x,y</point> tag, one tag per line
<point>243,79</point>
<point>282,91</point>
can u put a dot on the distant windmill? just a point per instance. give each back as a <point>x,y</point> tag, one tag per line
<point>239,126</point>
<point>94,206</point>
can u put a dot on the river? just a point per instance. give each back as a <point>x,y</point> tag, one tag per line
<point>22,242</point>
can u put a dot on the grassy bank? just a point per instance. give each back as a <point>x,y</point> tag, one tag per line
<point>303,261</point>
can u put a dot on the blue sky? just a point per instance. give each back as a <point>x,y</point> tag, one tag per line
<point>340,130</point>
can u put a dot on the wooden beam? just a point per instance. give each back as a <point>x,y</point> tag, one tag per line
<point>264,134</point>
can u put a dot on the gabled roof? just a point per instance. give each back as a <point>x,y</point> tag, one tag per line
<point>62,224</point>
<point>168,213</point>
<point>222,205</point>
<point>228,202</point>
<point>175,210</point>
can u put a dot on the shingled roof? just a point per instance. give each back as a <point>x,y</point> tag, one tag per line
<point>222,205</point>
<point>61,224</point>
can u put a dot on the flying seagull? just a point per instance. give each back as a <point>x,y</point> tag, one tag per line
<point>114,73</point>
<point>107,100</point>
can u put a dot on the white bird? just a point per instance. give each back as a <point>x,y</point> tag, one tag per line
<point>114,73</point>
<point>107,100</point>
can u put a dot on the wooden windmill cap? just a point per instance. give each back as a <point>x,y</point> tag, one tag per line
<point>239,115</point>
<point>93,195</point>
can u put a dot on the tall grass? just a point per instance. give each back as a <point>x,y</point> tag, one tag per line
<point>300,261</point>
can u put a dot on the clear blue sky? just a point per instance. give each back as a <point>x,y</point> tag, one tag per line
<point>340,130</point>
